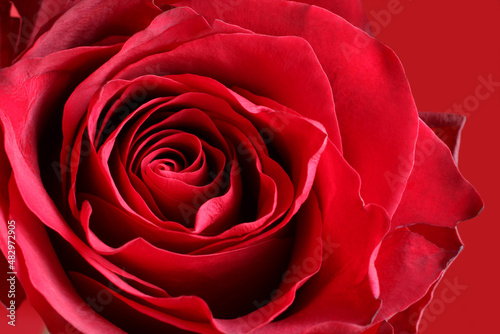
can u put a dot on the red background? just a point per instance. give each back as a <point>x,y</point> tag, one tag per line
<point>445,46</point>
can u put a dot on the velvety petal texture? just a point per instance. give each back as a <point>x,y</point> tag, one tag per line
<point>220,167</point>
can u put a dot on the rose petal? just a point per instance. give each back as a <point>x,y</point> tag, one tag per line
<point>137,314</point>
<point>34,17</point>
<point>376,113</point>
<point>49,214</point>
<point>257,267</point>
<point>333,327</point>
<point>436,192</point>
<point>37,201</point>
<point>448,127</point>
<point>62,70</point>
<point>345,288</point>
<point>406,322</point>
<point>287,81</point>
<point>351,10</point>
<point>165,32</point>
<point>9,34</point>
<point>407,265</point>
<point>305,261</point>
<point>89,22</point>
<point>41,270</point>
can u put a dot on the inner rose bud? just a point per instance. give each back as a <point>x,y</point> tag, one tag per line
<point>177,170</point>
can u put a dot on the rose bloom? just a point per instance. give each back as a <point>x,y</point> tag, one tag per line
<point>226,166</point>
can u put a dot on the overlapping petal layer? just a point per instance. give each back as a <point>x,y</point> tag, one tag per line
<point>212,169</point>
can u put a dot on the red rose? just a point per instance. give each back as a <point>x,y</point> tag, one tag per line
<point>220,166</point>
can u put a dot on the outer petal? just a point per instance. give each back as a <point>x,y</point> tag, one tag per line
<point>351,10</point>
<point>30,110</point>
<point>346,288</point>
<point>375,109</point>
<point>381,328</point>
<point>334,327</point>
<point>88,22</point>
<point>43,278</point>
<point>409,262</point>
<point>33,17</point>
<point>5,174</point>
<point>448,127</point>
<point>9,32</point>
<point>407,321</point>
<point>297,80</point>
<point>436,192</point>
<point>139,318</point>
